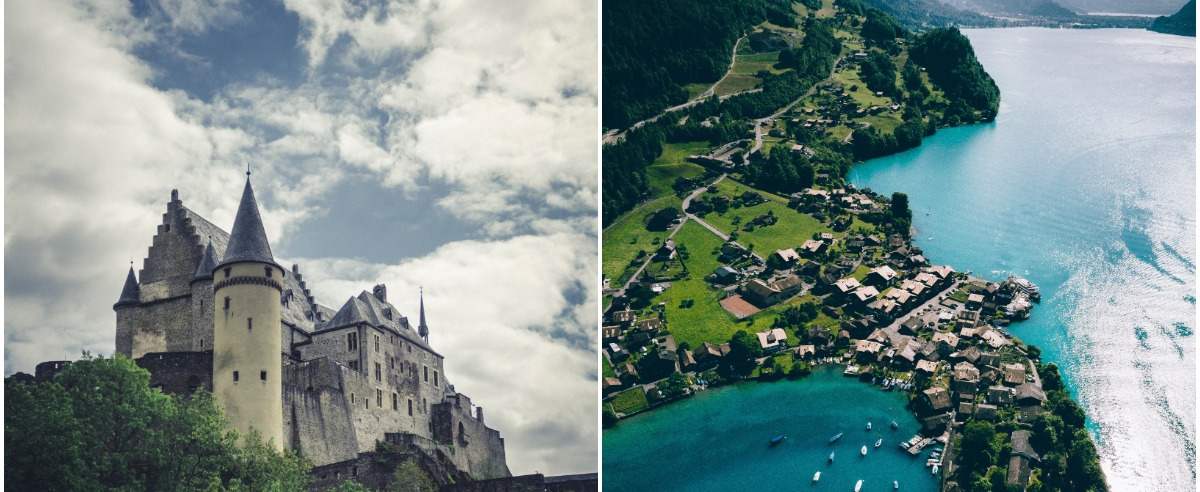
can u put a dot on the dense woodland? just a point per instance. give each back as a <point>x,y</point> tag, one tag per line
<point>691,41</point>
<point>1182,23</point>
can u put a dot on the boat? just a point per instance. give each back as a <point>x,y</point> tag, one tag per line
<point>778,439</point>
<point>858,486</point>
<point>895,485</point>
<point>895,425</point>
<point>817,477</point>
<point>836,437</point>
<point>879,443</point>
<point>868,425</point>
<point>831,456</point>
<point>863,451</point>
<point>935,470</point>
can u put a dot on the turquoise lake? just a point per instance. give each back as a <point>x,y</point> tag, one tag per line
<point>718,440</point>
<point>1085,184</point>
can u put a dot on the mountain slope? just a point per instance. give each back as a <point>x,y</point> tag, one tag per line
<point>1182,23</point>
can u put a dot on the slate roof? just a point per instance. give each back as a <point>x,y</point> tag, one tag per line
<point>368,309</point>
<point>208,263</point>
<point>248,241</point>
<point>131,293</point>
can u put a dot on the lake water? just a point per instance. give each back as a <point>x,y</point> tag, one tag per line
<point>1085,184</point>
<point>718,440</point>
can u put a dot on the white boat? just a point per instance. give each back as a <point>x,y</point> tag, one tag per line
<point>868,425</point>
<point>831,456</point>
<point>863,450</point>
<point>817,477</point>
<point>935,470</point>
<point>858,486</point>
<point>895,485</point>
<point>879,442</point>
<point>895,425</point>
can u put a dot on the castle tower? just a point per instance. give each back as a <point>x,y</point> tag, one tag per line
<point>247,365</point>
<point>130,298</point>
<point>423,329</point>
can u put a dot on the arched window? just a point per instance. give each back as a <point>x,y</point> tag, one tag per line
<point>462,434</point>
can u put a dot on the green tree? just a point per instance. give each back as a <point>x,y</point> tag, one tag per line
<point>99,426</point>
<point>743,350</point>
<point>976,449</point>
<point>409,477</point>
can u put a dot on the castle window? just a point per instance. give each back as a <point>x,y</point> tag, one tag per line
<point>351,398</point>
<point>228,272</point>
<point>249,324</point>
<point>379,398</point>
<point>268,270</point>
<point>395,402</point>
<point>354,365</point>
<point>262,375</point>
<point>391,362</point>
<point>378,373</point>
<point>462,434</point>
<point>426,374</point>
<point>235,376</point>
<point>352,341</point>
<point>367,403</point>
<point>425,404</point>
<point>354,470</point>
<point>376,343</point>
<point>227,303</point>
<point>410,407</point>
<point>166,227</point>
<point>435,378</point>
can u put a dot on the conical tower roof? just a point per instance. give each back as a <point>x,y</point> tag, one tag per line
<point>131,293</point>
<point>248,241</point>
<point>208,263</point>
<point>423,329</point>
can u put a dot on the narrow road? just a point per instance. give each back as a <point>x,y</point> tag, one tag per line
<point>732,62</point>
<point>758,134</point>
<point>895,326</point>
<point>686,201</point>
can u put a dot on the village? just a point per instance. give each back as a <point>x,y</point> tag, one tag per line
<point>854,297</point>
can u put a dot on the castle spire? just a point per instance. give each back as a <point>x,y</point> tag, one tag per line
<point>423,329</point>
<point>208,263</point>
<point>248,241</point>
<point>131,293</point>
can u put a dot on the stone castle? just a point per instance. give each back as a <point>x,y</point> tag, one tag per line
<point>211,309</point>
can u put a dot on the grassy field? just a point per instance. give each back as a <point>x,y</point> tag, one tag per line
<point>629,401</point>
<point>607,368</point>
<point>627,235</point>
<point>704,320</point>
<point>745,67</point>
<point>791,230</point>
<point>863,96</point>
<point>826,10</point>
<point>884,122</point>
<point>672,164</point>
<point>696,89</point>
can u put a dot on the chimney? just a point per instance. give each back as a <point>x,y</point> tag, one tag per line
<point>479,414</point>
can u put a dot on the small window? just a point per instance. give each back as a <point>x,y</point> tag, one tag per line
<point>395,402</point>
<point>426,374</point>
<point>202,304</point>
<point>235,376</point>
<point>378,373</point>
<point>410,348</point>
<point>166,227</point>
<point>379,398</point>
<point>425,404</point>
<point>262,375</point>
<point>201,343</point>
<point>249,324</point>
<point>268,270</point>
<point>377,343</point>
<point>351,397</point>
<point>354,365</point>
<point>410,407</point>
<point>367,403</point>
<point>352,341</point>
<point>354,470</point>
<point>435,378</point>
<point>227,303</point>
<point>228,272</point>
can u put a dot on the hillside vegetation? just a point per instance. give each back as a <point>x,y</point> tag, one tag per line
<point>1182,23</point>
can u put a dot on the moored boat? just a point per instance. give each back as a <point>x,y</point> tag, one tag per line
<point>778,439</point>
<point>895,485</point>
<point>895,425</point>
<point>858,486</point>
<point>817,476</point>
<point>868,425</point>
<point>863,451</point>
<point>831,456</point>
<point>879,442</point>
<point>935,469</point>
<point>836,437</point>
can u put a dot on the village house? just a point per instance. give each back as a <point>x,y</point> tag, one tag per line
<point>772,340</point>
<point>867,350</point>
<point>666,251</point>
<point>1019,458</point>
<point>864,295</point>
<point>765,294</point>
<point>783,258</point>
<point>725,274</point>
<point>936,399</point>
<point>813,247</point>
<point>1014,374</point>
<point>880,276</point>
<point>999,395</point>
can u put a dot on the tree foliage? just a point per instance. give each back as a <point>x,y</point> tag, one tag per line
<point>950,60</point>
<point>99,426</point>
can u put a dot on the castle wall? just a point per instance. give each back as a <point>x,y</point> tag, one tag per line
<point>162,326</point>
<point>179,373</point>
<point>316,412</point>
<point>200,334</point>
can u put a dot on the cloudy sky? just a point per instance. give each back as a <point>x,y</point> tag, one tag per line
<point>445,144</point>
